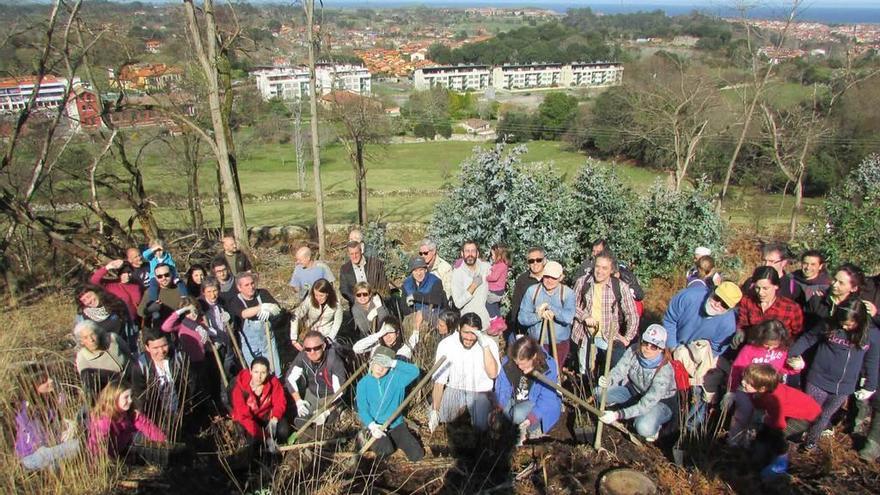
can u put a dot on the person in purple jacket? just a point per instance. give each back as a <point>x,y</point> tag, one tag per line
<point>42,437</point>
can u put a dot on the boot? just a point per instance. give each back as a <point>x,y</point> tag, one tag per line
<point>776,469</point>
<point>871,451</point>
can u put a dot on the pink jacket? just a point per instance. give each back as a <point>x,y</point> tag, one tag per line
<point>497,277</point>
<point>189,340</point>
<point>130,294</point>
<point>750,354</point>
<point>118,435</point>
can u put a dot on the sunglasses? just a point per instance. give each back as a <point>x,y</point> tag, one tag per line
<point>163,275</point>
<point>313,349</point>
<point>532,261</point>
<point>362,294</point>
<point>650,346</point>
<point>423,253</point>
<point>721,302</point>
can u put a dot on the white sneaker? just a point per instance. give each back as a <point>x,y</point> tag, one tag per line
<point>652,438</point>
<point>828,433</point>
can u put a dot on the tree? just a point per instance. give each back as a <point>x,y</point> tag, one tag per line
<point>427,110</point>
<point>313,48</point>
<point>555,115</point>
<point>514,127</point>
<point>360,121</point>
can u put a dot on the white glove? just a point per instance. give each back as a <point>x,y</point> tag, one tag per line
<point>372,314</point>
<point>477,280</point>
<point>604,382</point>
<point>224,317</point>
<point>863,394</point>
<point>69,432</point>
<point>302,408</point>
<point>609,417</point>
<point>433,420</point>
<point>263,315</point>
<point>377,301</point>
<point>482,338</point>
<point>271,308</point>
<point>322,418</point>
<point>796,363</point>
<point>410,300</point>
<point>414,339</point>
<point>376,430</point>
<point>727,400</point>
<point>203,334</point>
<point>385,330</point>
<point>543,307</point>
<point>186,309</point>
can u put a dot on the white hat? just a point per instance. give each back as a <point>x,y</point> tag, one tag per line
<point>702,251</point>
<point>655,334</point>
<point>552,269</point>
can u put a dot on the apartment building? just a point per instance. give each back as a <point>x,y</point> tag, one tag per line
<point>593,74</point>
<point>455,77</point>
<point>15,92</point>
<point>527,76</point>
<point>515,77</point>
<point>292,83</point>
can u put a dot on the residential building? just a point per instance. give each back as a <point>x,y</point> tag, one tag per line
<point>592,74</point>
<point>292,83</point>
<point>354,78</point>
<point>146,77</point>
<point>153,46</point>
<point>476,126</point>
<point>527,76</point>
<point>15,92</point>
<point>455,77</point>
<point>83,112</point>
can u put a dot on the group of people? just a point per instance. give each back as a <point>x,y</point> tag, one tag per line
<point>796,346</point>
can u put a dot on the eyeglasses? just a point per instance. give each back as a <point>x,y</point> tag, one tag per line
<point>423,253</point>
<point>721,302</point>
<point>219,270</point>
<point>314,349</point>
<point>362,294</point>
<point>163,275</point>
<point>650,346</point>
<point>773,262</point>
<point>532,261</point>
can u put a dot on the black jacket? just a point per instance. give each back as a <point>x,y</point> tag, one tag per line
<point>375,271</point>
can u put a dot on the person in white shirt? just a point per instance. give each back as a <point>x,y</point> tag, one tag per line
<point>469,287</point>
<point>465,379</point>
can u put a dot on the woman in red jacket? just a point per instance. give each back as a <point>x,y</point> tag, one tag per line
<point>258,404</point>
<point>126,287</point>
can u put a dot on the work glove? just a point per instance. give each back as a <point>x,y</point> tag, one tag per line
<point>385,330</point>
<point>543,307</point>
<point>863,394</point>
<point>322,418</point>
<point>796,363</point>
<point>224,317</point>
<point>727,400</point>
<point>302,408</point>
<point>263,316</point>
<point>604,382</point>
<point>548,314</point>
<point>376,430</point>
<point>482,338</point>
<point>477,280</point>
<point>271,308</point>
<point>433,420</point>
<point>738,338</point>
<point>186,309</point>
<point>410,300</point>
<point>114,265</point>
<point>372,314</point>
<point>609,417</point>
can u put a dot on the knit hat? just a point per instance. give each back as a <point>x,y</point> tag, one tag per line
<point>729,293</point>
<point>552,269</point>
<point>702,251</point>
<point>655,334</point>
<point>416,263</point>
<point>383,355</point>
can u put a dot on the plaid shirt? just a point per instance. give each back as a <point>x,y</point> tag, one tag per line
<point>788,312</point>
<point>583,292</point>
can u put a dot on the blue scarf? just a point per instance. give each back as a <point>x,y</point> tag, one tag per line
<point>649,363</point>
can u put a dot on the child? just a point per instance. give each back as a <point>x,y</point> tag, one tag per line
<point>114,423</point>
<point>155,256</point>
<point>789,413</point>
<point>497,280</point>
<point>767,343</point>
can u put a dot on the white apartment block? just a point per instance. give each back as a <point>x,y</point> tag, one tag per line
<point>455,77</point>
<point>15,92</point>
<point>519,77</point>
<point>292,83</point>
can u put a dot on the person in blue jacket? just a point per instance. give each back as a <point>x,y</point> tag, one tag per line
<point>423,291</point>
<point>701,313</point>
<point>379,393</point>
<point>848,346</point>
<point>529,404</point>
<point>549,300</point>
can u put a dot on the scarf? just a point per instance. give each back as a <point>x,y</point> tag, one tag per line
<point>227,286</point>
<point>649,363</point>
<point>97,315</point>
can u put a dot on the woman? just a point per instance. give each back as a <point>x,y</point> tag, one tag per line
<point>423,291</point>
<point>848,345</point>
<point>642,385</point>
<point>320,311</point>
<point>106,310</point>
<point>126,288</point>
<point>531,405</point>
<point>703,273</point>
<point>447,322</point>
<point>188,323</point>
<point>42,438</point>
<point>259,403</point>
<point>847,284</point>
<point>390,336</point>
<point>114,423</point>
<point>368,311</point>
<point>102,357</point>
<point>194,278</point>
<point>763,303</point>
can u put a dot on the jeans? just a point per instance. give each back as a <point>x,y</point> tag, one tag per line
<point>649,423</point>
<point>45,457</point>
<point>583,354</point>
<point>401,438</point>
<point>742,418</point>
<point>517,412</point>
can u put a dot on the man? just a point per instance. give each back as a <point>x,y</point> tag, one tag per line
<point>586,267</point>
<point>357,236</point>
<point>437,266</point>
<point>236,260</point>
<point>604,307</point>
<point>465,380</point>
<point>360,268</point>
<point>550,300</point>
<point>536,259</point>
<point>776,255</point>
<point>621,272</point>
<point>252,310</point>
<point>156,310</point>
<point>469,287</point>
<point>315,375</point>
<point>225,280</point>
<point>812,278</point>
<point>307,271</point>
<point>161,378</point>
<point>140,271</point>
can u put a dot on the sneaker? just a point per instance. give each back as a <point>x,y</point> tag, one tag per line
<point>652,438</point>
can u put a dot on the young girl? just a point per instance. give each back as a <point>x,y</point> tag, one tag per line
<point>848,344</point>
<point>497,281</point>
<point>42,437</point>
<point>319,311</point>
<point>788,414</point>
<point>767,343</point>
<point>114,422</point>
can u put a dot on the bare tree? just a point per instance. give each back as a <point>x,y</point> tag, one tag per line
<point>313,48</point>
<point>299,145</point>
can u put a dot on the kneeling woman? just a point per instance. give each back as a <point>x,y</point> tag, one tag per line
<point>258,403</point>
<point>115,422</point>
<point>531,405</point>
<point>42,437</point>
<point>380,393</point>
<point>642,385</point>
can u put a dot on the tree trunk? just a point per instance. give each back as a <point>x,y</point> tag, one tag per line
<point>220,209</point>
<point>798,204</point>
<point>191,155</point>
<point>361,185</point>
<point>309,7</point>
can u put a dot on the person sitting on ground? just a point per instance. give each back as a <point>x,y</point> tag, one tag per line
<point>102,357</point>
<point>162,297</point>
<point>704,274</point>
<point>379,393</point>
<point>307,271</point>
<point>465,380</point>
<point>536,258</point>
<point>532,406</point>
<point>114,423</point>
<point>195,276</point>
<point>259,404</point>
<point>237,261</point>
<point>390,336</point>
<point>764,303</point>
<point>321,312</point>
<point>368,311</point>
<point>422,292</point>
<point>848,345</point>
<point>767,343</point>
<point>788,413</point>
<point>549,303</point>
<point>225,279</point>
<point>642,385</point>
<point>43,438</point>
<point>812,277</point>
<point>253,311</point>
<point>361,268</point>
<point>437,266</point>
<point>123,286</point>
<point>469,290</point>
<point>497,280</point>
<point>316,374</point>
<point>104,309</point>
<point>161,377</point>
